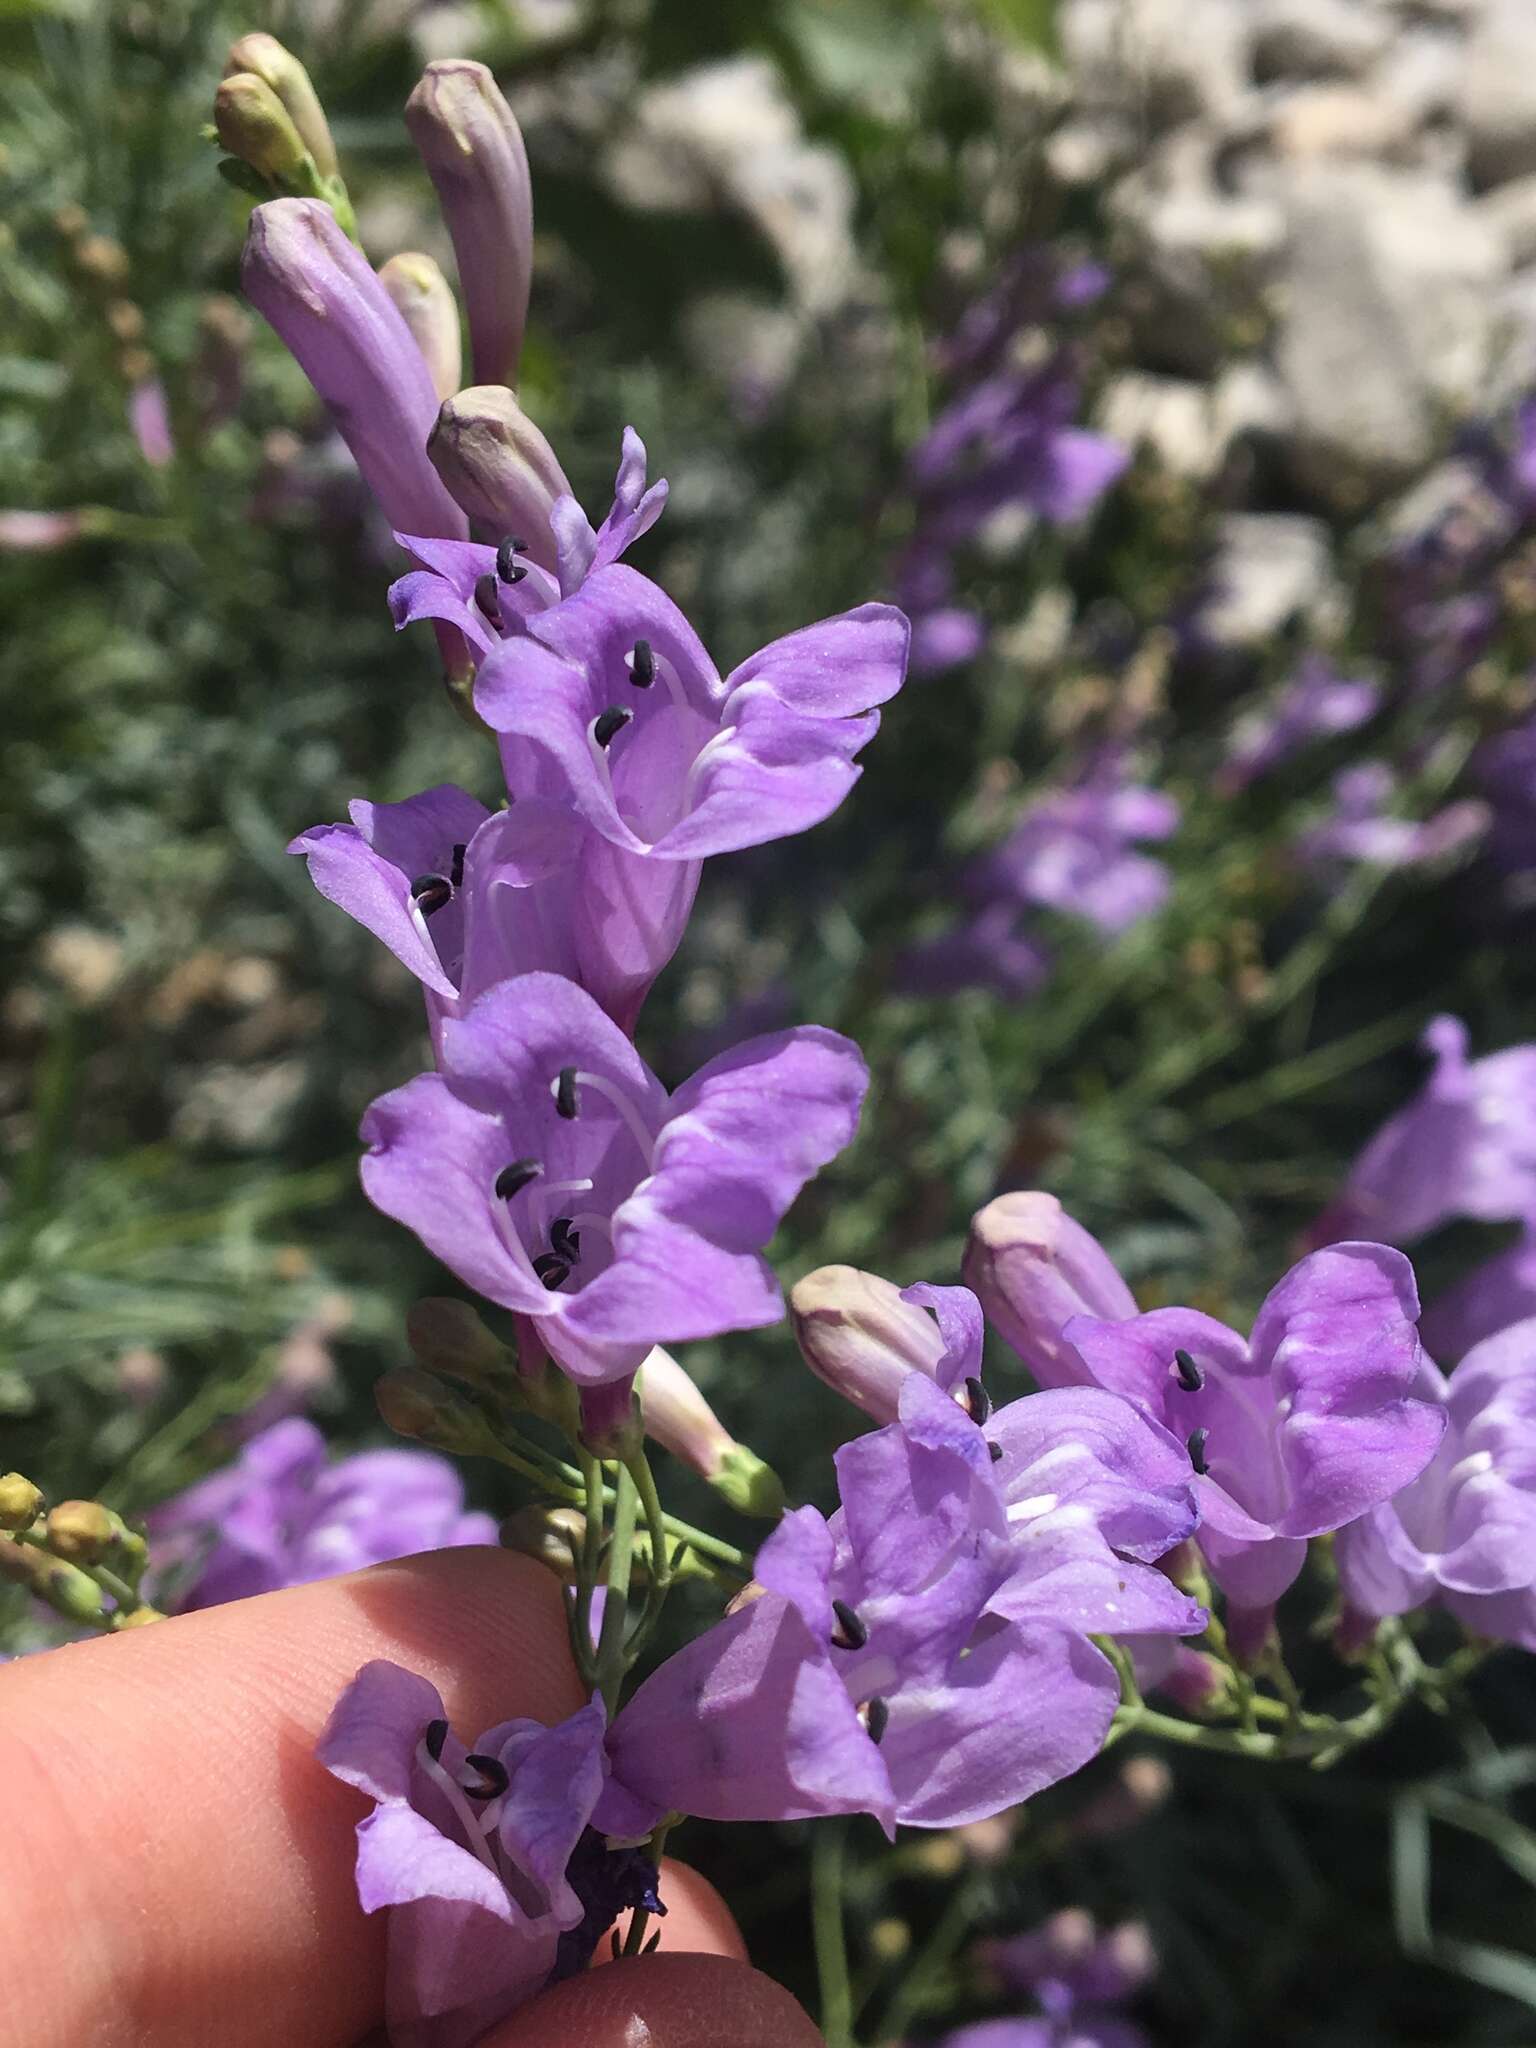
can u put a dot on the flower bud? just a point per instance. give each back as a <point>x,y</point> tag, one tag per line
<point>554,1536</point>
<point>448,1337</point>
<point>264,57</point>
<point>677,1415</point>
<point>416,1405</point>
<point>319,294</point>
<point>473,151</point>
<point>1033,1269</point>
<point>856,1333</point>
<point>20,1503</point>
<point>81,1531</point>
<point>499,467</point>
<point>426,302</point>
<point>254,126</point>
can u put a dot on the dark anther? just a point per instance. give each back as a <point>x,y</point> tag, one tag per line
<point>488,597</point>
<point>1191,1378</point>
<point>1198,1439</point>
<point>431,892</point>
<point>565,1093</point>
<point>875,1714</point>
<point>456,871</point>
<point>850,1633</point>
<point>643,669</point>
<point>551,1269</point>
<point>610,723</point>
<point>493,1774</point>
<point>435,1736</point>
<point>508,569</point>
<point>978,1401</point>
<point>995,1452</point>
<point>565,1239</point>
<point>514,1178</point>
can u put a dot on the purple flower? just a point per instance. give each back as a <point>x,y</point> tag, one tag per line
<point>1501,1291</point>
<point>946,638</point>
<point>1316,703</point>
<point>494,1881</point>
<point>1361,830</point>
<point>1463,1534</point>
<point>1305,1426</point>
<point>988,951</point>
<point>1465,1146</point>
<point>1506,768</point>
<point>1072,851</point>
<point>282,1515</point>
<point>862,1336</point>
<point>1077,1976</point>
<point>548,1167</point>
<point>925,1655</point>
<point>1034,1268</point>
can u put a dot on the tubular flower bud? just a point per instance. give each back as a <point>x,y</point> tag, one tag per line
<point>253,125</point>
<point>20,1503</point>
<point>472,148</point>
<point>416,1405</point>
<point>448,1337</point>
<point>264,57</point>
<point>318,293</point>
<point>677,1415</point>
<point>499,467</point>
<point>1033,1268</point>
<point>425,299</point>
<point>82,1531</point>
<point>857,1334</point>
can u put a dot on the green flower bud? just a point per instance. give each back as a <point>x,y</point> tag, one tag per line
<point>264,57</point>
<point>255,127</point>
<point>82,1531</point>
<point>448,1337</point>
<point>552,1535</point>
<point>748,1485</point>
<point>20,1503</point>
<point>416,1405</point>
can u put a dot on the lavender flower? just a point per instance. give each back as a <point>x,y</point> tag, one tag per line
<point>548,1168</point>
<point>925,1655</point>
<point>1506,769</point>
<point>1077,1976</point>
<point>1316,703</point>
<point>1073,851</point>
<point>1463,1533</point>
<point>282,1515</point>
<point>862,1336</point>
<point>1363,831</point>
<point>1034,1268</point>
<point>1465,1146</point>
<point>1499,1292</point>
<point>494,1881</point>
<point>989,951</point>
<point>1315,1419</point>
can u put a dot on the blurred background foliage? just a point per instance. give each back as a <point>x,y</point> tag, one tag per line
<point>197,664</point>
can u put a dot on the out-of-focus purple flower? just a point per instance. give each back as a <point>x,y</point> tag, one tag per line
<point>1464,1147</point>
<point>1499,1292</point>
<point>862,1336</point>
<point>149,417</point>
<point>990,951</point>
<point>26,532</point>
<point>1316,703</point>
<point>1362,830</point>
<point>1463,1533</point>
<point>1072,851</point>
<point>1314,1420</point>
<point>494,1882</point>
<point>1506,768</point>
<point>282,1515</point>
<point>548,1167</point>
<point>1077,1976</point>
<point>946,638</point>
<point>1033,1268</point>
<point>318,293</point>
<point>925,1655</point>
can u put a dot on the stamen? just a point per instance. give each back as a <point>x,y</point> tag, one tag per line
<point>977,1402</point>
<point>995,1452</point>
<point>565,1240</point>
<point>610,1092</point>
<point>429,1757</point>
<point>569,1187</point>
<point>552,1270</point>
<point>512,1179</point>
<point>456,871</point>
<point>435,1735</point>
<point>493,1773</point>
<point>851,1633</point>
<point>702,759</point>
<point>875,1714</point>
<point>488,597</point>
<point>1198,1439</point>
<point>1191,1378</point>
<point>508,570</point>
<point>565,1093</point>
<point>642,666</point>
<point>609,724</point>
<point>431,892</point>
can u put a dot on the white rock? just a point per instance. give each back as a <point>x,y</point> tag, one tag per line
<point>1268,569</point>
<point>1420,75</point>
<point>1312,121</point>
<point>1318,38</point>
<point>1498,98</point>
<point>1169,60</point>
<point>1511,212</point>
<point>1173,417</point>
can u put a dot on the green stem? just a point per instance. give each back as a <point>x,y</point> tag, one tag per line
<point>565,1483</point>
<point>828,1933</point>
<point>935,1955</point>
<point>591,1559</point>
<point>611,1664</point>
<point>639,1469</point>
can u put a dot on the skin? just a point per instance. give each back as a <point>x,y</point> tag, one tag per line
<point>180,1868</point>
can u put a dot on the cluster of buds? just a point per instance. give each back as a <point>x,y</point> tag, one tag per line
<point>80,1558</point>
<point>267,116</point>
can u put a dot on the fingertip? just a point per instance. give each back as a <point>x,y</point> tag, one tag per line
<point>662,2001</point>
<point>697,1920</point>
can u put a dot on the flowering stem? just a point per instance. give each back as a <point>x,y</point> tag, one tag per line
<point>639,1470</point>
<point>565,1483</point>
<point>611,1660</point>
<point>828,1935</point>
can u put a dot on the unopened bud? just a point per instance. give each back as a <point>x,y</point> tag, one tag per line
<point>81,1531</point>
<point>416,1405</point>
<point>677,1415</point>
<point>857,1334</point>
<point>610,1424</point>
<point>555,1536</point>
<point>448,1336</point>
<point>264,57</point>
<point>256,128</point>
<point>426,302</point>
<point>466,136</point>
<point>499,467</point>
<point>20,1503</point>
<point>744,1482</point>
<point>1033,1268</point>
